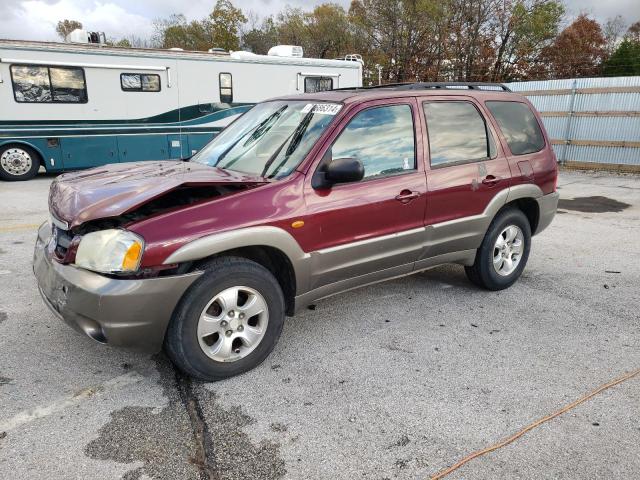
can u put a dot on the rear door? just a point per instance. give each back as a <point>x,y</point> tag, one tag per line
<point>374,225</point>
<point>467,169</point>
<point>530,161</point>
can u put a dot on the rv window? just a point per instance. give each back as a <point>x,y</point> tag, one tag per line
<point>226,88</point>
<point>36,84</point>
<point>140,82</point>
<point>317,84</point>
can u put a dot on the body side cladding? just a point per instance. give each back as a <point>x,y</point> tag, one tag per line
<point>247,237</point>
<point>453,241</point>
<point>547,207</point>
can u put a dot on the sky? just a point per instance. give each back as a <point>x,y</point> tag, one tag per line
<point>36,19</point>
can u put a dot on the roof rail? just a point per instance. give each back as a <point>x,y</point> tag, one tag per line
<point>437,85</point>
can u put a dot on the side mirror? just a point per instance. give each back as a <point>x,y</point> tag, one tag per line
<point>340,170</point>
<point>343,170</point>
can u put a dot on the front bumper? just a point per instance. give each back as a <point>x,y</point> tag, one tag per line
<point>132,314</point>
<point>547,207</point>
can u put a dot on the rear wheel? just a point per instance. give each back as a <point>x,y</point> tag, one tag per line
<point>228,321</point>
<point>18,162</point>
<point>503,253</point>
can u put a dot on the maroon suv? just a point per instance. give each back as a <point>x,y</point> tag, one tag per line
<point>300,198</point>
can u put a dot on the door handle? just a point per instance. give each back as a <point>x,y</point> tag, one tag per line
<point>406,196</point>
<point>490,180</point>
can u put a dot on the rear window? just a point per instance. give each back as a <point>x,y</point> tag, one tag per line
<point>519,126</point>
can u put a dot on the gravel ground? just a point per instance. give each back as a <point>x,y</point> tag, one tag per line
<point>395,380</point>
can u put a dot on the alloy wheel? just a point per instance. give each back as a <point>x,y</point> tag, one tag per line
<point>508,249</point>
<point>233,324</point>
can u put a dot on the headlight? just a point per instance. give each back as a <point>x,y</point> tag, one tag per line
<point>110,251</point>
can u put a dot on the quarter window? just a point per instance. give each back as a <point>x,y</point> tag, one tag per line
<point>457,133</point>
<point>42,84</point>
<point>226,88</point>
<point>317,84</point>
<point>382,138</point>
<point>519,126</point>
<point>140,82</point>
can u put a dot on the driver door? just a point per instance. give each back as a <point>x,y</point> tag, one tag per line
<point>371,229</point>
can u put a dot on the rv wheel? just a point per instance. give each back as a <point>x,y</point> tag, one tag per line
<point>18,162</point>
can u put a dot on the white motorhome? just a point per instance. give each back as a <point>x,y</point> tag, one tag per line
<point>68,106</point>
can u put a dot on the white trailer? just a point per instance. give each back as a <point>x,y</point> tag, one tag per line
<point>68,106</point>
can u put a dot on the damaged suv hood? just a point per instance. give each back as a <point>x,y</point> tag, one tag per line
<point>115,189</point>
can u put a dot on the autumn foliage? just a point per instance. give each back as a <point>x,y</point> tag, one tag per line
<point>424,40</point>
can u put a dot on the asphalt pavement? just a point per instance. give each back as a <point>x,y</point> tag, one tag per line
<point>396,380</point>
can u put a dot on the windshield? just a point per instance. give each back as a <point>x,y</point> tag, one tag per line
<point>271,139</point>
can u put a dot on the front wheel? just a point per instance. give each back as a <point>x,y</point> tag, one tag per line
<point>18,162</point>
<point>503,253</point>
<point>228,321</point>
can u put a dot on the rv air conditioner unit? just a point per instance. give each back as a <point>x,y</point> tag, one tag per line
<point>285,51</point>
<point>82,36</point>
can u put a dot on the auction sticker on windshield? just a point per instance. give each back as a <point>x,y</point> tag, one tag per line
<point>322,108</point>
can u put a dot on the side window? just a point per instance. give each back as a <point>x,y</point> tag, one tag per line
<point>382,138</point>
<point>140,82</point>
<point>226,88</point>
<point>457,133</point>
<point>42,84</point>
<point>519,126</point>
<point>317,84</point>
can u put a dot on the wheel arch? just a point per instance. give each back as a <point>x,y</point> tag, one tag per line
<point>524,197</point>
<point>272,247</point>
<point>9,143</point>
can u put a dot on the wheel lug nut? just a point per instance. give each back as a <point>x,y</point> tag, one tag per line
<point>240,328</point>
<point>231,313</point>
<point>224,323</point>
<point>228,333</point>
<point>241,316</point>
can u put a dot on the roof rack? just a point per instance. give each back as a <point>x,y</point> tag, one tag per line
<point>436,85</point>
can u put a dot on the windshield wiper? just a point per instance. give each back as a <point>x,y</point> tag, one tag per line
<point>255,134</point>
<point>297,138</point>
<point>297,135</point>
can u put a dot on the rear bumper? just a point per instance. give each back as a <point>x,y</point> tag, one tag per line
<point>132,314</point>
<point>547,206</point>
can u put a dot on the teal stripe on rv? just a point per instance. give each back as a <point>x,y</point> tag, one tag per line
<point>68,145</point>
<point>192,114</point>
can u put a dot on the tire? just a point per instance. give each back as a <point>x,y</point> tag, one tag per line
<point>491,269</point>
<point>206,348</point>
<point>18,163</point>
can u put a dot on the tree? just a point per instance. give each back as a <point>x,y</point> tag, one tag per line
<point>328,30</point>
<point>523,29</point>
<point>405,37</point>
<point>577,51</point>
<point>612,31</point>
<point>224,25</point>
<point>259,38</point>
<point>633,33</point>
<point>625,60</point>
<point>65,27</point>
<point>291,27</point>
<point>220,29</point>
